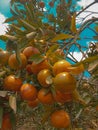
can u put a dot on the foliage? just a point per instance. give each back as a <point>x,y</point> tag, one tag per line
<point>55,36</point>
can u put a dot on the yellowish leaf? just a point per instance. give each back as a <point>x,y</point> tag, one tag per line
<point>76,70</point>
<point>61,36</point>
<point>12,103</point>
<point>73,24</point>
<point>3,93</point>
<point>96,28</point>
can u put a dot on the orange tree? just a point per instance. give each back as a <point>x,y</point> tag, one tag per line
<point>38,68</point>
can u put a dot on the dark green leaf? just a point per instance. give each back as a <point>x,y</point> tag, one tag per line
<point>1,115</point>
<point>10,19</point>
<point>13,120</point>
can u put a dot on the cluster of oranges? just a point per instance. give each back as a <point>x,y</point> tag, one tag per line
<point>57,82</point>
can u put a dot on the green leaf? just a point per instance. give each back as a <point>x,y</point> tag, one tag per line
<point>25,24</point>
<point>18,54</point>
<point>61,36</point>
<point>13,120</point>
<point>37,58</point>
<point>1,116</point>
<point>52,49</point>
<point>73,24</point>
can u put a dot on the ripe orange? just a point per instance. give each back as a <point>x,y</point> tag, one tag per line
<point>42,77</point>
<point>4,56</point>
<point>28,68</point>
<point>33,103</point>
<point>36,68</point>
<point>45,97</point>
<point>6,122</point>
<point>64,82</point>
<point>12,83</point>
<point>28,92</point>
<point>30,51</point>
<point>60,66</point>
<point>62,97</point>
<point>60,119</point>
<point>14,64</point>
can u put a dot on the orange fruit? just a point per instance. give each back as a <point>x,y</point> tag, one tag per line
<point>4,56</point>
<point>64,82</point>
<point>60,66</point>
<point>45,97</point>
<point>6,122</point>
<point>28,92</point>
<point>42,77</point>
<point>28,68</point>
<point>62,97</point>
<point>30,51</point>
<point>60,119</point>
<point>36,68</point>
<point>14,64</point>
<point>33,103</point>
<point>12,83</point>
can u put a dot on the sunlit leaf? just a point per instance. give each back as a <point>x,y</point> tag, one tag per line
<point>3,93</point>
<point>87,60</point>
<point>76,70</point>
<point>73,24</point>
<point>96,28</point>
<point>12,103</point>
<point>61,36</point>
<point>52,49</point>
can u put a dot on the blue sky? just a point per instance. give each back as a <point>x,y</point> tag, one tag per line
<point>86,35</point>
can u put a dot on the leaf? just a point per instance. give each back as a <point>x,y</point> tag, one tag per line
<point>93,66</point>
<point>96,28</point>
<point>73,24</point>
<point>26,25</point>
<point>37,58</point>
<point>52,49</point>
<point>17,50</point>
<point>1,116</point>
<point>3,93</point>
<point>87,60</point>
<point>77,97</point>
<point>10,19</point>
<point>13,120</point>
<point>12,102</point>
<point>61,36</point>
<point>95,37</point>
<point>76,70</point>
